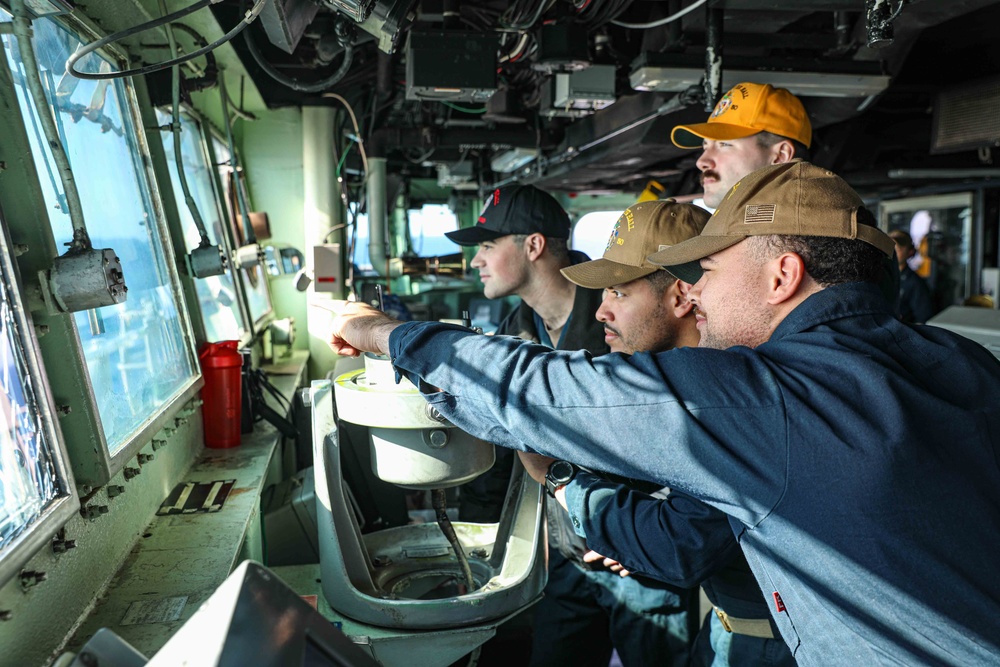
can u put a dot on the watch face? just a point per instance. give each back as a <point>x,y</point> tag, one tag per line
<point>561,472</point>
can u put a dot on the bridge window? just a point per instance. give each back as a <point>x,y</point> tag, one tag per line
<point>428,225</point>
<point>138,354</point>
<point>220,304</point>
<point>591,232</point>
<point>254,279</point>
<point>359,245</point>
<point>34,491</point>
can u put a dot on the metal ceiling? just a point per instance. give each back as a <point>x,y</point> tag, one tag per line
<point>923,49</point>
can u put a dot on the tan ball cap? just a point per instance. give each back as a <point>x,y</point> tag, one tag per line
<point>642,229</point>
<point>795,198</point>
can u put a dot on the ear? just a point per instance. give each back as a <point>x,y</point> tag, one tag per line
<point>677,297</point>
<point>782,152</point>
<point>534,246</point>
<point>786,277</point>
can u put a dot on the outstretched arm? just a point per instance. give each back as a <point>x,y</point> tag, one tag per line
<point>361,328</point>
<point>613,413</point>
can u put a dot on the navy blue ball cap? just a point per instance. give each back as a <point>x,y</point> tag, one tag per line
<point>515,209</point>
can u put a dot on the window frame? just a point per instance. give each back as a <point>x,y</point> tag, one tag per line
<point>259,325</point>
<point>53,517</point>
<point>90,459</point>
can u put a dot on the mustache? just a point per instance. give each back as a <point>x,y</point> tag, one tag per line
<point>608,327</point>
<point>710,173</point>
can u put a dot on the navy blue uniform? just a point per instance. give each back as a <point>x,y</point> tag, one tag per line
<point>858,457</point>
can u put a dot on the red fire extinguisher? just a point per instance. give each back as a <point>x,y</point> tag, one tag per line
<point>222,394</point>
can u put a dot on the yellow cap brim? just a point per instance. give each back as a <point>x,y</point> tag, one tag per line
<point>691,136</point>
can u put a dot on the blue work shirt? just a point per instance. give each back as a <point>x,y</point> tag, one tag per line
<point>858,454</point>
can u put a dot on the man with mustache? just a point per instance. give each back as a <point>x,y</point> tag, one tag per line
<point>753,125</point>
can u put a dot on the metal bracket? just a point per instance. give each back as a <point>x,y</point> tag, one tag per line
<point>83,280</point>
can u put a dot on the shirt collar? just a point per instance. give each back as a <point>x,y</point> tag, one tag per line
<point>833,303</point>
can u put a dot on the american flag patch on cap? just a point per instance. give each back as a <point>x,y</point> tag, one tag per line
<point>758,213</point>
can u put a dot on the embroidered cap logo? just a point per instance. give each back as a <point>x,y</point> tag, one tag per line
<point>723,105</point>
<point>496,200</point>
<point>614,234</point>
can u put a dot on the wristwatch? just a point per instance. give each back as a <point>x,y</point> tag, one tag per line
<point>559,474</point>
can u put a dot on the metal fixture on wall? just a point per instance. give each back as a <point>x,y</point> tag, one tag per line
<point>84,277</point>
<point>206,260</point>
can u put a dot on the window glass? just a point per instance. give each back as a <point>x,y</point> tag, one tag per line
<point>28,481</point>
<point>591,232</point>
<point>254,279</point>
<point>275,266</point>
<point>360,255</point>
<point>941,228</point>
<point>217,296</point>
<point>136,353</point>
<point>428,225</point>
<point>283,260</point>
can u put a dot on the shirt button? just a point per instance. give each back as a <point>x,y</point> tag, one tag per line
<point>576,522</point>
